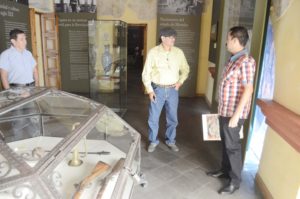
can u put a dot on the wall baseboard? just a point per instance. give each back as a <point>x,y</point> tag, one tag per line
<point>200,95</point>
<point>208,102</point>
<point>262,187</point>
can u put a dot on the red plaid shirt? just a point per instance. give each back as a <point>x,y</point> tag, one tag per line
<point>238,72</point>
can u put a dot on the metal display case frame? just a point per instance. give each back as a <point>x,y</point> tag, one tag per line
<point>18,176</point>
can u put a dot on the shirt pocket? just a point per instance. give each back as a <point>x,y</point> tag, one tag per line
<point>160,64</point>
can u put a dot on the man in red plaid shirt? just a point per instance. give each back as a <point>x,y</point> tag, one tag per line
<point>235,91</point>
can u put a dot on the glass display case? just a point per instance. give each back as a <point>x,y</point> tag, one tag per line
<point>108,63</point>
<point>55,144</point>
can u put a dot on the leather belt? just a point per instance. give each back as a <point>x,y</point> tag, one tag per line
<point>164,86</point>
<point>21,85</point>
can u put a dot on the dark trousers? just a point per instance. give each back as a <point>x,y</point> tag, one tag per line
<point>231,149</point>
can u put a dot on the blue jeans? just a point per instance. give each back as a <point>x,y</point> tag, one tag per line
<point>167,97</point>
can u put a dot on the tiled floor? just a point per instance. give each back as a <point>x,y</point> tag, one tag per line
<point>180,175</point>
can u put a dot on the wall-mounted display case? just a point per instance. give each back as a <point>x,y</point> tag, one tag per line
<point>108,63</point>
<point>55,144</point>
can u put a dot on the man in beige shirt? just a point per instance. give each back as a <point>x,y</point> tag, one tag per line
<point>164,72</point>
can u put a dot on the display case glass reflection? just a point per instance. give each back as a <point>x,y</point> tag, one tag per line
<point>58,145</point>
<point>108,60</point>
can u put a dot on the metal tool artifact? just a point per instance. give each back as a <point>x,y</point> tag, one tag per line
<point>96,153</point>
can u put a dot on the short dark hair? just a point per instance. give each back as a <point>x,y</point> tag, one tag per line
<point>167,32</point>
<point>241,33</point>
<point>13,34</point>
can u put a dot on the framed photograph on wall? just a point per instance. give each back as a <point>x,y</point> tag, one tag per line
<point>211,128</point>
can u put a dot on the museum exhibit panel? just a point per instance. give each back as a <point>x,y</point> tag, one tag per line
<point>108,63</point>
<point>54,144</point>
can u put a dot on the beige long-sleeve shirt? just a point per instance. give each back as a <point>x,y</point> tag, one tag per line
<point>164,67</point>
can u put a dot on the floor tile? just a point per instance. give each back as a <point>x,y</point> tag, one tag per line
<point>165,173</point>
<point>182,165</point>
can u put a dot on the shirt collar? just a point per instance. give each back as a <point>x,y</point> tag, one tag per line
<point>162,48</point>
<point>13,48</point>
<point>233,58</point>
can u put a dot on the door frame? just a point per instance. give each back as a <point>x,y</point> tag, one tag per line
<point>145,27</point>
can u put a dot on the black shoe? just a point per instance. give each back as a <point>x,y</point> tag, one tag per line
<point>228,189</point>
<point>217,174</point>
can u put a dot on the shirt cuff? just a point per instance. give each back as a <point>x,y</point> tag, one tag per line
<point>180,81</point>
<point>149,89</point>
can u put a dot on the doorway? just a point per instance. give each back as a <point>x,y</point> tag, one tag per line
<point>265,82</point>
<point>136,52</point>
<point>45,48</point>
<point>265,90</point>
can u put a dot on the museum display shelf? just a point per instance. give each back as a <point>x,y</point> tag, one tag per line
<point>59,145</point>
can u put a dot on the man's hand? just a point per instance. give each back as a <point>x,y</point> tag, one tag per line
<point>233,122</point>
<point>36,76</point>
<point>152,96</point>
<point>246,96</point>
<point>177,86</point>
<point>4,78</point>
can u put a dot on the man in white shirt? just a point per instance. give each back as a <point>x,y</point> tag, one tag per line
<point>17,65</point>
